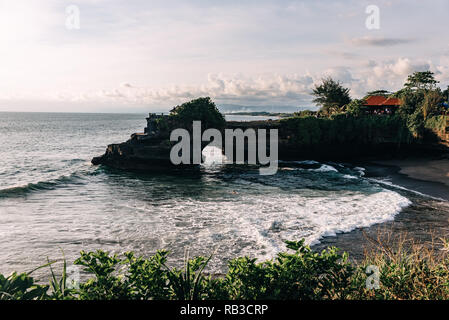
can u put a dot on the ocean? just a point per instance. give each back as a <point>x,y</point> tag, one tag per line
<point>54,203</point>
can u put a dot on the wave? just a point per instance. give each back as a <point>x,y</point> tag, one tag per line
<point>310,165</point>
<point>23,190</point>
<point>257,224</point>
<point>299,162</point>
<point>325,168</point>
<point>316,218</point>
<point>395,186</point>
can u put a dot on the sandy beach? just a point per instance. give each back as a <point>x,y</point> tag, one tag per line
<point>425,221</point>
<point>428,170</point>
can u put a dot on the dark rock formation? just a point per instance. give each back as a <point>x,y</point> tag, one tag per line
<point>141,152</point>
<point>299,139</point>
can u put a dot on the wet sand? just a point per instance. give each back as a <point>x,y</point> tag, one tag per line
<point>428,170</point>
<point>425,221</point>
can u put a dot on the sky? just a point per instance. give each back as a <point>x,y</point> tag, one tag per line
<point>142,56</point>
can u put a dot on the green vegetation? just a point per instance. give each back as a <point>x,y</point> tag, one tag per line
<point>414,273</point>
<point>331,96</point>
<point>202,109</point>
<point>420,111</point>
<point>355,107</point>
<point>345,129</point>
<point>383,93</point>
<point>341,120</point>
<point>431,104</point>
<point>421,100</point>
<point>437,123</point>
<point>305,113</point>
<point>423,80</point>
<point>417,273</point>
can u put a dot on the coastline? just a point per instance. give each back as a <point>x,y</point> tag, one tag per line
<point>432,174</point>
<point>425,221</point>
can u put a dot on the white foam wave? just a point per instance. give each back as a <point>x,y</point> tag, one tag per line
<point>360,170</point>
<point>258,225</point>
<point>325,168</point>
<point>390,184</point>
<point>300,162</point>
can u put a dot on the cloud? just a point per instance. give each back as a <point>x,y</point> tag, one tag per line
<point>400,67</point>
<point>379,41</point>
<point>159,53</point>
<point>442,70</point>
<point>268,90</point>
<point>388,74</point>
<point>261,90</point>
<point>342,74</point>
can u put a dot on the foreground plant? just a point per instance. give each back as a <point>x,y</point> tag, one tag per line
<point>404,272</point>
<point>407,271</point>
<point>22,286</point>
<point>303,274</point>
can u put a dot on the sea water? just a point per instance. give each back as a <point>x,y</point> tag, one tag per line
<point>54,202</point>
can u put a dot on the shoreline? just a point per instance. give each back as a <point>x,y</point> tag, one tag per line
<point>425,221</point>
<point>426,175</point>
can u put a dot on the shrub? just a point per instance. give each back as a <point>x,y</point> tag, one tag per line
<point>415,123</point>
<point>345,129</point>
<point>21,287</point>
<point>106,285</point>
<point>331,96</point>
<point>432,103</point>
<point>410,101</point>
<point>303,275</point>
<point>355,107</point>
<point>405,272</point>
<point>437,123</point>
<point>202,109</point>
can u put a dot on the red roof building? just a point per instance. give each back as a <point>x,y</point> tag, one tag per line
<point>381,104</point>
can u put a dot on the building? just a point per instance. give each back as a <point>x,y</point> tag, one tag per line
<point>381,105</point>
<point>152,122</point>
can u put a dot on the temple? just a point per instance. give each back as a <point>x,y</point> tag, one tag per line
<point>152,122</point>
<point>381,105</point>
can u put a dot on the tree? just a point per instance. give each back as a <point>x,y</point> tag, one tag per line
<point>202,109</point>
<point>355,107</point>
<point>432,103</point>
<point>420,95</point>
<point>415,123</point>
<point>331,96</point>
<point>305,113</point>
<point>410,100</point>
<point>423,80</point>
<point>383,93</point>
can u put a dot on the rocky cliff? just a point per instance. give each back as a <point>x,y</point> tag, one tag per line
<point>344,139</point>
<point>141,152</point>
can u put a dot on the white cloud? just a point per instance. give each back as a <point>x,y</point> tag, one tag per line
<point>261,90</point>
<point>271,89</point>
<point>160,53</point>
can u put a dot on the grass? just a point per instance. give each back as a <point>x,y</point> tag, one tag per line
<point>409,270</point>
<point>395,268</point>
